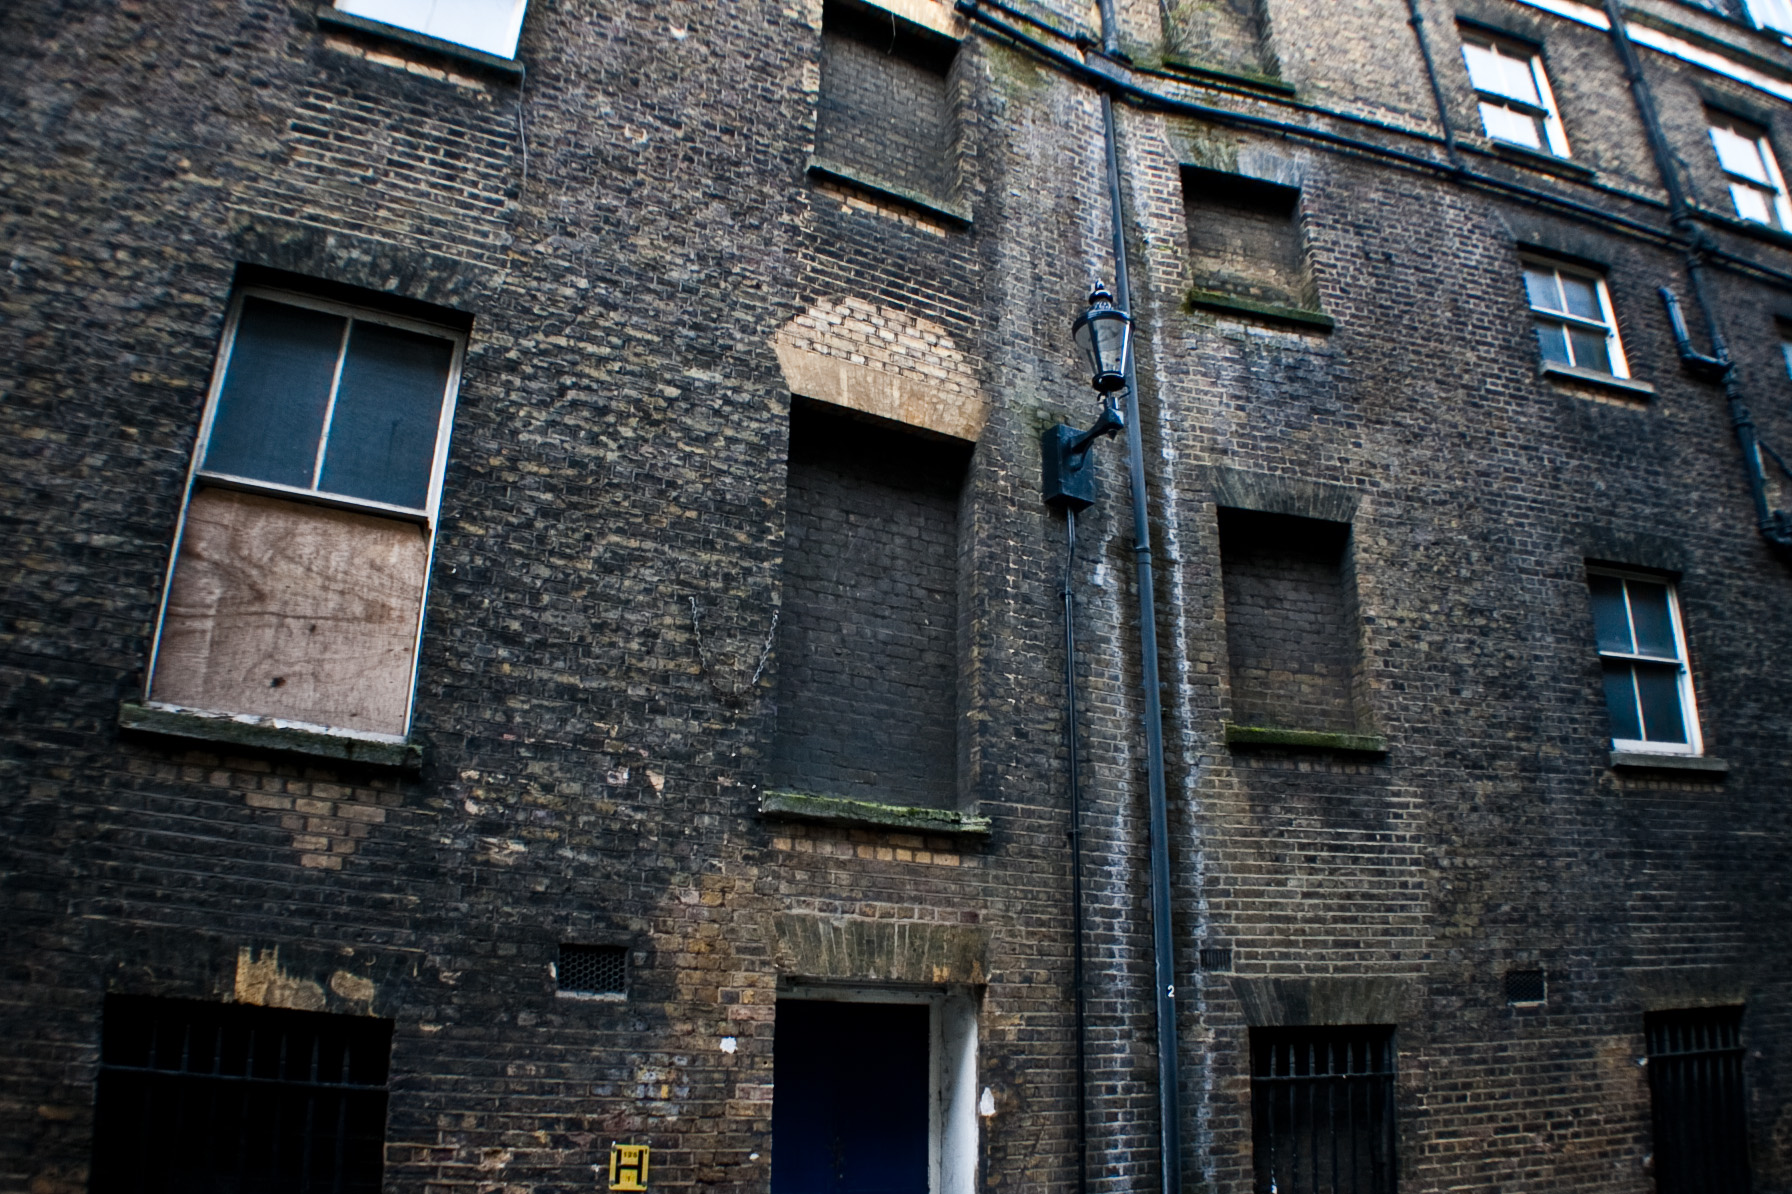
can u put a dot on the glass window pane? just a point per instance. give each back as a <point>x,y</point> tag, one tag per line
<point>1751,204</point>
<point>1738,154</point>
<point>489,25</point>
<point>1786,355</point>
<point>1620,700</point>
<point>276,387</point>
<point>1611,626</point>
<point>1590,350</point>
<point>1553,342</point>
<point>1582,296</point>
<point>1658,685</point>
<point>1483,66</point>
<point>1541,289</point>
<point>1520,82</point>
<point>1503,124</point>
<point>1649,615</point>
<point>388,409</point>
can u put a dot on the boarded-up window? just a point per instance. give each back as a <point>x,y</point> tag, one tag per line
<point>297,587</point>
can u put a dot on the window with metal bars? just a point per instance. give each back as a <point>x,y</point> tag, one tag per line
<point>230,1099</point>
<point>1695,1091</point>
<point>593,970</point>
<point>1322,1110</point>
<point>1525,986</point>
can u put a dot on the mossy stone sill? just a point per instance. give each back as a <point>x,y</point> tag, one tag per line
<point>838,810</point>
<point>1636,760</point>
<point>331,17</point>
<point>864,181</point>
<point>1367,744</point>
<point>266,733</point>
<point>1231,304</point>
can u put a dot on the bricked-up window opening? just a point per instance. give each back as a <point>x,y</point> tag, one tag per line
<point>1696,1095</point>
<point>1291,635</point>
<point>1322,1110</point>
<point>868,637</point>
<point>492,26</point>
<point>231,1099</point>
<point>297,587</point>
<point>1512,89</point>
<point>1757,187</point>
<point>1524,986</point>
<point>1227,35</point>
<point>1572,312</point>
<point>1642,653</point>
<point>593,969</point>
<point>1245,240</point>
<point>886,108</point>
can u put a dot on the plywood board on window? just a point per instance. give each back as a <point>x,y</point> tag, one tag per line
<point>295,611</point>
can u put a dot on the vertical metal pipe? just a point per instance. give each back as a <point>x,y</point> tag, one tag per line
<point>1163,943</point>
<point>1417,20</point>
<point>1076,857</point>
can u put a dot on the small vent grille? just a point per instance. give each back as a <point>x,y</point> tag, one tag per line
<point>594,969</point>
<point>1524,986</point>
<point>1214,957</point>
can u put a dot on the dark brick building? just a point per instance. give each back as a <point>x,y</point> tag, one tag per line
<point>530,629</point>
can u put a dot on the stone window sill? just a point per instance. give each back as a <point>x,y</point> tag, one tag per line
<point>1365,744</point>
<point>1592,377</point>
<point>270,733</point>
<point>331,17</point>
<point>1175,66</point>
<point>1231,304</point>
<point>1634,760</point>
<point>864,180</point>
<point>1533,159</point>
<point>838,810</point>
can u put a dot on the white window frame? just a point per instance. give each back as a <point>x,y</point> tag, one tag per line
<point>198,476</point>
<point>1548,115</point>
<point>1689,709</point>
<point>1772,15</point>
<point>952,1112</point>
<point>1614,345</point>
<point>422,16</point>
<point>1773,188</point>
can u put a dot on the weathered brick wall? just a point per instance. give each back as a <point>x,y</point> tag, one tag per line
<point>1290,637</point>
<point>868,631</point>
<point>886,102</point>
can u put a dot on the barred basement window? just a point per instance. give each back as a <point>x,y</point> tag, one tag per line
<point>296,590</point>
<point>233,1099</point>
<point>489,25</point>
<point>1524,986</point>
<point>1216,957</point>
<point>593,970</point>
<point>1696,1094</point>
<point>1322,1110</point>
<point>1642,651</point>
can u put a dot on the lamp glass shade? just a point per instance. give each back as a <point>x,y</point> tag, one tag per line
<point>1104,333</point>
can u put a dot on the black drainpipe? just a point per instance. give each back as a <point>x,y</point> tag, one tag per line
<point>1076,857</point>
<point>1774,525</point>
<point>1417,21</point>
<point>1163,946</point>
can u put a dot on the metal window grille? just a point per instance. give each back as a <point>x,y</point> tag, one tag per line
<point>1216,957</point>
<point>1525,986</point>
<point>1322,1110</point>
<point>1695,1088</point>
<point>593,969</point>
<point>231,1099</point>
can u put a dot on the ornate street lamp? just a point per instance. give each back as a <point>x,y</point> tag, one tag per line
<point>1104,333</point>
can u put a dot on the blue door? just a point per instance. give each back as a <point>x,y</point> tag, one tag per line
<point>849,1098</point>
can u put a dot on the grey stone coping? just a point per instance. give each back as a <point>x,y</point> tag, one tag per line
<point>267,733</point>
<point>839,810</point>
<point>854,176</point>
<point>1370,744</point>
<point>1593,377</point>
<point>1636,760</point>
<point>1175,65</point>
<point>329,15</point>
<point>1231,304</point>
<point>1536,159</point>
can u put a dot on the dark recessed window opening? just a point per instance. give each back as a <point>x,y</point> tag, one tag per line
<point>1322,1110</point>
<point>1524,986</point>
<point>229,1099</point>
<point>1696,1094</point>
<point>1216,957</point>
<point>850,1104</point>
<point>593,970</point>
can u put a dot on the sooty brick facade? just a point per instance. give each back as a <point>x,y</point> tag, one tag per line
<point>742,281</point>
